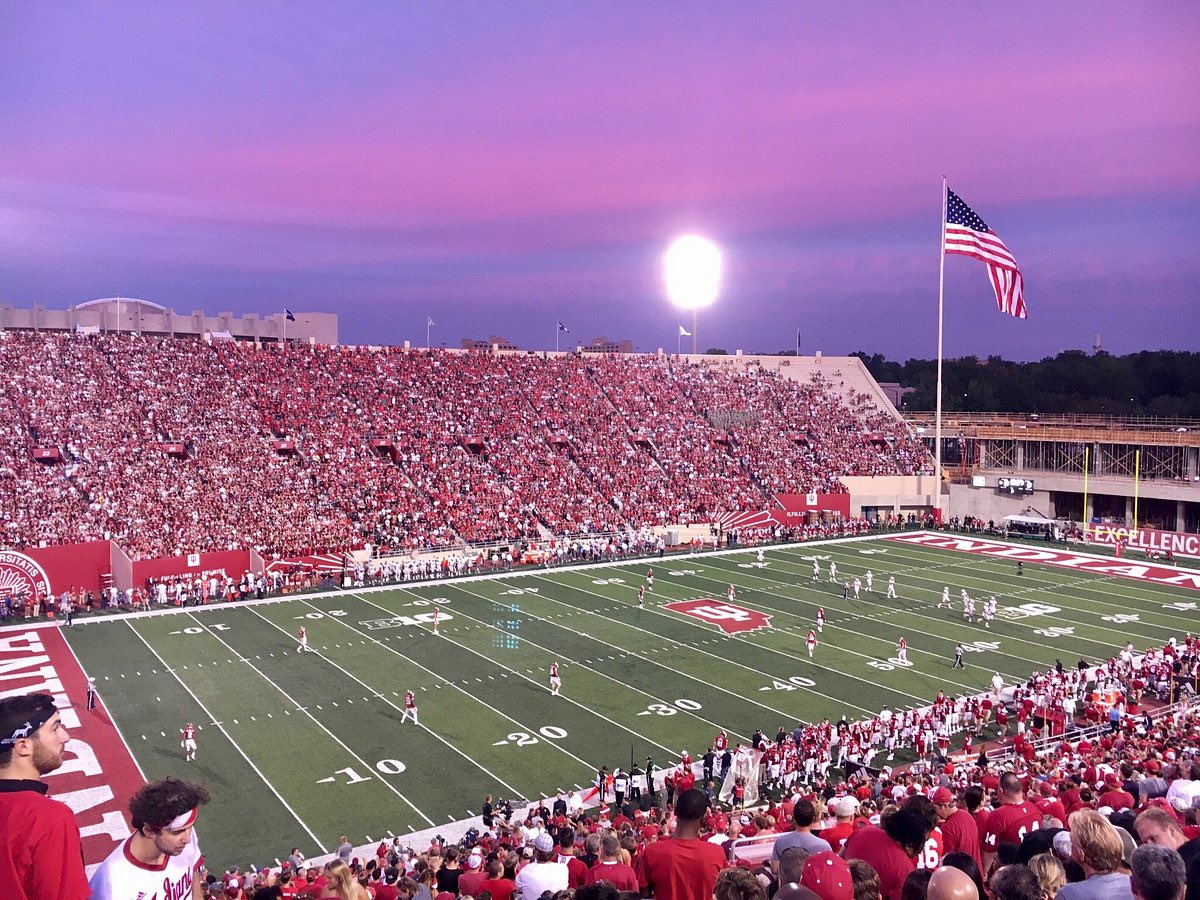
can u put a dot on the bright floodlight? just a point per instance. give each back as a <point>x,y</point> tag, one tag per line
<point>693,271</point>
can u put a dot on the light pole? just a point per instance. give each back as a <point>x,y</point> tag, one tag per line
<point>692,269</point>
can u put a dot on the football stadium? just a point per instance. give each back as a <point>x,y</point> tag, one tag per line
<point>299,600</point>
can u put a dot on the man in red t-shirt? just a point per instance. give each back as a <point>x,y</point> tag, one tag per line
<point>472,874</point>
<point>684,867</point>
<point>40,856</point>
<point>1010,821</point>
<point>844,811</point>
<point>577,869</point>
<point>611,869</point>
<point>500,888</point>
<point>891,850</point>
<point>959,831</point>
<point>1049,804</point>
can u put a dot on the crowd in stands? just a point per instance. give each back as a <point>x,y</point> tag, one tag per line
<point>402,449</point>
<point>1108,813</point>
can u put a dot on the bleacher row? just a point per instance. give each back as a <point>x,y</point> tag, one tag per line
<point>403,449</point>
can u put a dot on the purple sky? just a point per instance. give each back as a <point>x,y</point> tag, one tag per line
<point>501,166</point>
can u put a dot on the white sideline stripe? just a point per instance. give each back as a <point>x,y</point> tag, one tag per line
<point>112,721</point>
<point>322,656</point>
<point>232,742</point>
<point>317,721</point>
<point>585,664</point>
<point>570,700</point>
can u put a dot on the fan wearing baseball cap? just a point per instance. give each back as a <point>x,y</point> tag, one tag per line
<point>959,831</point>
<point>545,873</point>
<point>828,876</point>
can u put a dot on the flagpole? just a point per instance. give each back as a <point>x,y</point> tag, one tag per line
<point>694,331</point>
<point>557,331</point>
<point>679,341</point>
<point>937,426</point>
<point>285,326</point>
<point>428,325</point>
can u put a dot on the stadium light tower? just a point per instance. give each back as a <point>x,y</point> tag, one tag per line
<point>692,267</point>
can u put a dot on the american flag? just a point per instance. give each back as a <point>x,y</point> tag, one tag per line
<point>968,235</point>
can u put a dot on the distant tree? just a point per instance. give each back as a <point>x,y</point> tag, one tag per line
<point>716,351</point>
<point>1164,383</point>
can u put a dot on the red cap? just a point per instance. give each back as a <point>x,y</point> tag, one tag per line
<point>828,876</point>
<point>943,795</point>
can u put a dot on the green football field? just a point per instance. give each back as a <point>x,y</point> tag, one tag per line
<point>300,748</point>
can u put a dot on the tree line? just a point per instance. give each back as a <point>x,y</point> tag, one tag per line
<point>1150,383</point>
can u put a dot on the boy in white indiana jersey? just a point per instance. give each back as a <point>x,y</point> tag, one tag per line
<point>162,857</point>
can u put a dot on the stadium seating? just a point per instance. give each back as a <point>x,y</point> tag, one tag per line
<point>477,447</point>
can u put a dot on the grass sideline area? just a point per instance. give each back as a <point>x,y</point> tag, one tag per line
<point>300,748</point>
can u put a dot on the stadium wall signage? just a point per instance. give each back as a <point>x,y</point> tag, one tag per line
<point>1100,565</point>
<point>22,576</point>
<point>1174,542</point>
<point>789,510</point>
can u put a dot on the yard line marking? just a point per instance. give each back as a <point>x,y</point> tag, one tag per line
<point>1098,583</point>
<point>803,624</point>
<point>661,665</point>
<point>234,743</point>
<point>425,728</point>
<point>838,700</point>
<point>317,721</point>
<point>570,700</point>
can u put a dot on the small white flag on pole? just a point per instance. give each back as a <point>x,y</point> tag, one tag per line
<point>429,321</point>
<point>683,332</point>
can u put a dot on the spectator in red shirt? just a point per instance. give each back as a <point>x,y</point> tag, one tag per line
<point>684,867</point>
<point>891,850</point>
<point>473,875</point>
<point>496,884</point>
<point>577,869</point>
<point>611,869</point>
<point>959,831</point>
<point>1010,821</point>
<point>40,855</point>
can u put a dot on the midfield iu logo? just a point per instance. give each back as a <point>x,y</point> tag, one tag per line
<point>729,618</point>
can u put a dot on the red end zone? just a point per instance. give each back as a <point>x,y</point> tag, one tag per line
<point>1063,559</point>
<point>98,774</point>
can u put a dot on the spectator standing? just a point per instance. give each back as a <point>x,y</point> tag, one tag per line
<point>610,868</point>
<point>1016,882</point>
<point>683,867</point>
<point>40,853</point>
<point>1010,821</point>
<point>959,831</point>
<point>1158,874</point>
<point>496,884</point>
<point>804,814</point>
<point>162,854</point>
<point>473,875</point>
<point>891,850</point>
<point>545,873</point>
<point>1097,847</point>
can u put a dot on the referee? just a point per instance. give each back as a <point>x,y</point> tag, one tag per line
<point>958,657</point>
<point>91,692</point>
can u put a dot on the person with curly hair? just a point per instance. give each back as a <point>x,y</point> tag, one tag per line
<point>738,884</point>
<point>162,854</point>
